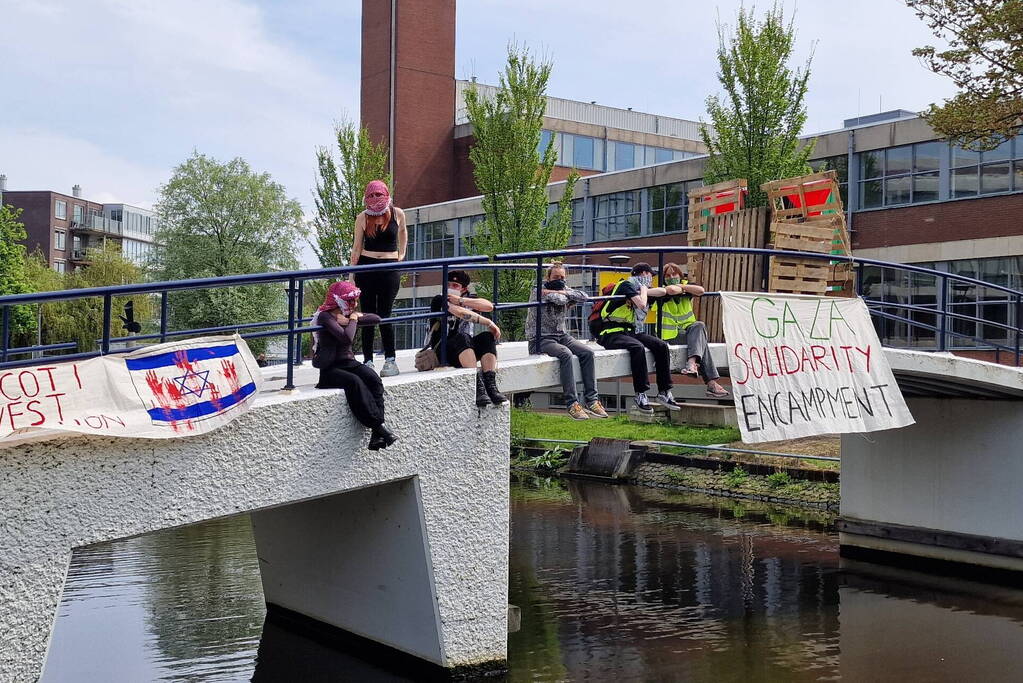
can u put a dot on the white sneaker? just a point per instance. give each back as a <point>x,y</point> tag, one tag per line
<point>668,401</point>
<point>643,403</point>
<point>390,368</point>
<point>369,364</point>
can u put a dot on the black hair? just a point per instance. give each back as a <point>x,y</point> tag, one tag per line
<point>642,267</point>
<point>459,276</point>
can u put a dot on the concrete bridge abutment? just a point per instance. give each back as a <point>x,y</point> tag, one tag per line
<point>406,546</point>
<point>944,489</point>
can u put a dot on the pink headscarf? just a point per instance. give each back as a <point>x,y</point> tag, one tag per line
<point>341,295</point>
<point>377,206</point>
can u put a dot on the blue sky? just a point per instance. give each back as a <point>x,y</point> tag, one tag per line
<point>112,94</point>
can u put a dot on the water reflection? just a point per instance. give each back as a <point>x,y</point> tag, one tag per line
<point>621,583</point>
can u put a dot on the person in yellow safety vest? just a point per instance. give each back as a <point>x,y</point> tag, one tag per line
<point>618,331</point>
<point>679,325</point>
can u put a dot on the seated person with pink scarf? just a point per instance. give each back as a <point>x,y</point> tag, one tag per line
<point>332,354</point>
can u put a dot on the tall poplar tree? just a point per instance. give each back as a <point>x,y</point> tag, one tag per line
<point>340,184</point>
<point>13,279</point>
<point>754,129</point>
<point>512,175</point>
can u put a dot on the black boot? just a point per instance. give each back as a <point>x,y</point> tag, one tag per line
<point>490,384</point>
<point>382,438</point>
<point>482,401</point>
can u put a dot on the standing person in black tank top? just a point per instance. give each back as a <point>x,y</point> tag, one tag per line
<point>380,237</point>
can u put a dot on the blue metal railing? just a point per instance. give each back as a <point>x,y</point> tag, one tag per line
<point>292,328</point>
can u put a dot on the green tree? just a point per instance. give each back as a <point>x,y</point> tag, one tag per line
<point>339,189</point>
<point>220,219</point>
<point>81,320</point>
<point>984,59</point>
<point>13,279</point>
<point>512,175</point>
<point>755,127</point>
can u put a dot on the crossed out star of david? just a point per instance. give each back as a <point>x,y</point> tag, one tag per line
<point>194,383</point>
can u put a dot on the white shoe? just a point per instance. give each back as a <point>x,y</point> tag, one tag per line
<point>390,368</point>
<point>643,403</point>
<point>369,364</point>
<point>668,401</point>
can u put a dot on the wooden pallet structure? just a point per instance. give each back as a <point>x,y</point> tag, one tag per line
<point>705,204</point>
<point>807,215</point>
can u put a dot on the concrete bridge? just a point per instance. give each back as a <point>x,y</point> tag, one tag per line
<point>409,546</point>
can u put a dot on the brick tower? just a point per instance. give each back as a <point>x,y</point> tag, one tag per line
<point>408,93</point>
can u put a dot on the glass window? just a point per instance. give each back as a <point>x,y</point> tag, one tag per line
<point>667,207</point>
<point>927,156</point>
<point>60,209</point>
<point>60,266</point>
<point>898,160</point>
<point>925,187</point>
<point>964,182</point>
<point>897,190</point>
<point>1002,152</point>
<point>625,156</point>
<point>964,157</point>
<point>1018,176</point>
<point>870,194</point>
<point>995,178</point>
<point>662,155</point>
<point>583,155</point>
<point>567,149</point>
<point>545,139</point>
<point>871,164</point>
<point>616,215</point>
<point>59,240</point>
<point>79,214</point>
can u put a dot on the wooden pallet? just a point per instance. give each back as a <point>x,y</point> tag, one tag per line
<point>804,197</point>
<point>728,272</point>
<point>714,200</point>
<point>807,215</point>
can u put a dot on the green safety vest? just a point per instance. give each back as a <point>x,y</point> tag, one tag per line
<point>620,313</point>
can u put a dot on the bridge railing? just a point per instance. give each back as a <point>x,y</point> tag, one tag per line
<point>292,327</point>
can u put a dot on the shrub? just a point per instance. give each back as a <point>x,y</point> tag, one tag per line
<point>779,479</point>
<point>736,478</point>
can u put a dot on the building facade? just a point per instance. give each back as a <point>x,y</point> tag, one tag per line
<point>66,228</point>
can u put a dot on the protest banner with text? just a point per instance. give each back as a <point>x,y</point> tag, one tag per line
<point>806,365</point>
<point>164,391</point>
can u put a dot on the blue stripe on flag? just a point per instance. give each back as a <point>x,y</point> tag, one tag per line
<point>161,360</point>
<point>202,409</point>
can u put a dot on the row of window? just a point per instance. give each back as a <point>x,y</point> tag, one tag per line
<point>911,174</point>
<point>988,308</point>
<point>596,154</point>
<point>651,211</point>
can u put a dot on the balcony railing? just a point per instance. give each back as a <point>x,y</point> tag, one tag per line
<point>95,223</point>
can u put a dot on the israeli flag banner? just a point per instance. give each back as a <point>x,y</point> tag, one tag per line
<point>187,385</point>
<point>177,389</point>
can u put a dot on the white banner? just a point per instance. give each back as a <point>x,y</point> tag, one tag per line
<point>158,392</point>
<point>806,365</point>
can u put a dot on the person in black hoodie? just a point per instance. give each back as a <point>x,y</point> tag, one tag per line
<point>333,356</point>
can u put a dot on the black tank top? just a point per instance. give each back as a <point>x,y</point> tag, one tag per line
<point>385,240</point>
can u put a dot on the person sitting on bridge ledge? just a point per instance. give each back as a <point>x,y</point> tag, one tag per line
<point>618,331</point>
<point>679,325</point>
<point>332,354</point>
<point>555,341</point>
<point>465,350</point>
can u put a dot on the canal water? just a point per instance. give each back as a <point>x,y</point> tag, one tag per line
<point>614,583</point>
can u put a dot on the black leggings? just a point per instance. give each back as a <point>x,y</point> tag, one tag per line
<point>636,345</point>
<point>363,389</point>
<point>378,291</point>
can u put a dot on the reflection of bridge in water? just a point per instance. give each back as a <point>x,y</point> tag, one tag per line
<point>409,546</point>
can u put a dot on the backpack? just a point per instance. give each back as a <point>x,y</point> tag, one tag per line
<point>595,320</point>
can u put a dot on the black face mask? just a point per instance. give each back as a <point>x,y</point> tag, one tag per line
<point>554,285</point>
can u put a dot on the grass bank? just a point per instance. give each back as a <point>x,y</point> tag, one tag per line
<point>529,424</point>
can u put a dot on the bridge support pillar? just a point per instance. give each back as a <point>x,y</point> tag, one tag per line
<point>363,562</point>
<point>945,489</point>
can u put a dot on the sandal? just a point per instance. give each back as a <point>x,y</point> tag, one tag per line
<point>722,393</point>
<point>690,369</point>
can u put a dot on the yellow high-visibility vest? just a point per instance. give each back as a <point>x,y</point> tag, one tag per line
<point>677,314</point>
<point>615,312</point>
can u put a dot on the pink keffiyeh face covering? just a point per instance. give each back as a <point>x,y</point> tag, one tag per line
<point>377,198</point>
